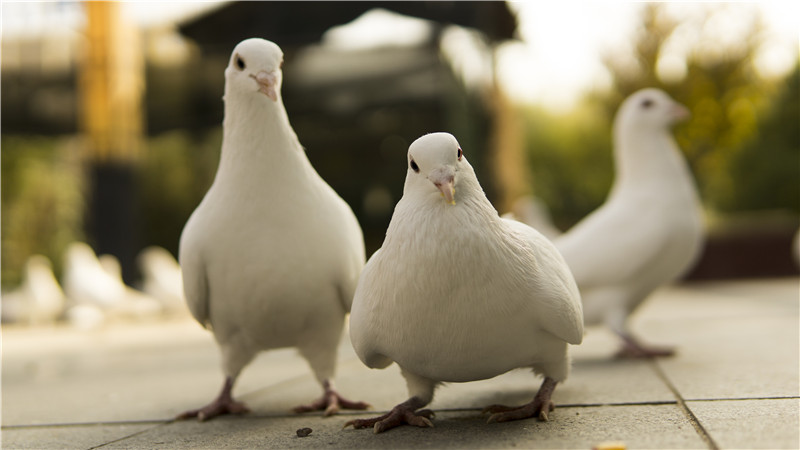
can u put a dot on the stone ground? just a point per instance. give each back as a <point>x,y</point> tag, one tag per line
<point>733,384</point>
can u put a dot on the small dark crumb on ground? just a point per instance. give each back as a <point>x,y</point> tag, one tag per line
<point>303,432</point>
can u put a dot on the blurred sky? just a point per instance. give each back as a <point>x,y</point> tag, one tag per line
<point>559,57</point>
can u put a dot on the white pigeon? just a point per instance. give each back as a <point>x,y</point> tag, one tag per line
<point>650,229</point>
<point>86,281</point>
<point>95,284</point>
<point>39,298</point>
<point>271,256</point>
<point>532,211</point>
<point>161,278</point>
<point>457,293</point>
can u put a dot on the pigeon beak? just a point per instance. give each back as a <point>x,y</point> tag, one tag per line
<point>266,84</point>
<point>444,180</point>
<point>680,112</point>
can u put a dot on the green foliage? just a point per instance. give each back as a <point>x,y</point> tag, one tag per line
<point>570,160</point>
<point>721,88</point>
<point>741,143</point>
<point>177,169</point>
<point>765,172</point>
<point>42,201</point>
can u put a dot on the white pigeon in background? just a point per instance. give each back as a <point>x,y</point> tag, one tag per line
<point>161,278</point>
<point>39,299</point>
<point>272,254</point>
<point>458,294</point>
<point>135,304</point>
<point>532,211</point>
<point>94,284</point>
<point>86,281</point>
<point>650,229</point>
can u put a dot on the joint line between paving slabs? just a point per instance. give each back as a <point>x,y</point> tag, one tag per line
<point>129,436</point>
<point>704,435</point>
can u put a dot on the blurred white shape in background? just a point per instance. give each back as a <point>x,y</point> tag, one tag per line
<point>532,211</point>
<point>378,28</point>
<point>39,299</point>
<point>162,278</point>
<point>87,281</point>
<point>96,290</point>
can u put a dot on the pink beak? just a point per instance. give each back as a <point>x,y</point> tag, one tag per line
<point>266,84</point>
<point>444,180</point>
<point>680,112</point>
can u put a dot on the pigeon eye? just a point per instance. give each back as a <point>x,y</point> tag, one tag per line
<point>460,153</point>
<point>414,166</point>
<point>240,62</point>
<point>646,103</point>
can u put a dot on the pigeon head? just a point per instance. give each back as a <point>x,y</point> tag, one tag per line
<point>434,161</point>
<point>255,68</point>
<point>650,109</point>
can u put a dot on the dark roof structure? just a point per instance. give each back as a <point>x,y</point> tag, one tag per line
<point>299,23</point>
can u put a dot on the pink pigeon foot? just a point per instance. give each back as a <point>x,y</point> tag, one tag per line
<point>404,413</point>
<point>224,404</point>
<point>539,407</point>
<point>331,402</point>
<point>633,349</point>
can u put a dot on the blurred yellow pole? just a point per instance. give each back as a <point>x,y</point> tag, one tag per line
<point>111,85</point>
<point>509,162</point>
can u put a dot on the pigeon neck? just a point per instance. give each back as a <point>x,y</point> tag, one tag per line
<point>646,157</point>
<point>258,138</point>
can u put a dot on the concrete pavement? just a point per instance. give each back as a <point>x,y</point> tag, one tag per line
<point>733,384</point>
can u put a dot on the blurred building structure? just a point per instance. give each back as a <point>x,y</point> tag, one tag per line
<point>356,110</point>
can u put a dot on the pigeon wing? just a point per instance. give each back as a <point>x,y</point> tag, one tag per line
<point>556,301</point>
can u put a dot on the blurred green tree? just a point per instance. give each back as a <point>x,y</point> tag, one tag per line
<point>720,86</point>
<point>765,171</point>
<point>570,160</point>
<point>42,201</point>
<point>733,125</point>
<point>177,169</point>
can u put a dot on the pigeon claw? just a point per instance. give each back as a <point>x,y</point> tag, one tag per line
<point>214,409</point>
<point>331,403</point>
<point>399,415</point>
<point>633,349</point>
<point>501,413</point>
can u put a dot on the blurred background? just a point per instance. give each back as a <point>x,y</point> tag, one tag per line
<point>112,111</point>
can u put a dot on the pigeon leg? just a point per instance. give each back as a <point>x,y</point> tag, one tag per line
<point>538,407</point>
<point>331,402</point>
<point>404,413</point>
<point>632,348</point>
<point>223,404</point>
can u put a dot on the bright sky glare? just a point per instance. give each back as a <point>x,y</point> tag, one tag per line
<point>559,56</point>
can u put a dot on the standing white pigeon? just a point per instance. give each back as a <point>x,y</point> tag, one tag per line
<point>457,293</point>
<point>648,232</point>
<point>271,256</point>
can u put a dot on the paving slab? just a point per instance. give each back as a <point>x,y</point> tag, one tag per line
<point>772,423</point>
<point>69,436</point>
<point>656,426</point>
<point>735,339</point>
<point>65,388</point>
